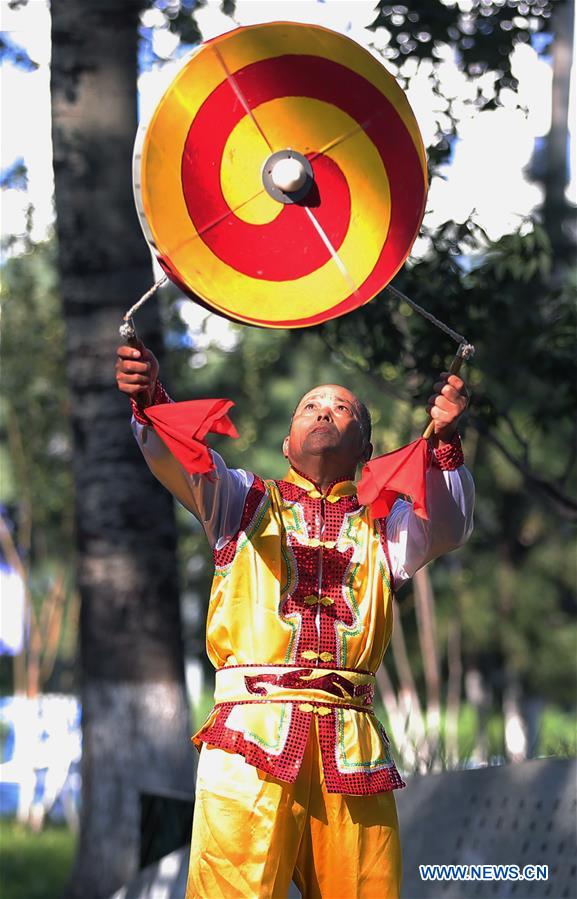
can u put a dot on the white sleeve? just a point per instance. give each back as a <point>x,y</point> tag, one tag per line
<point>412,542</point>
<point>217,498</point>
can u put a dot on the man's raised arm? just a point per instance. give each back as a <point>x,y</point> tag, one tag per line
<point>217,498</point>
<point>412,541</point>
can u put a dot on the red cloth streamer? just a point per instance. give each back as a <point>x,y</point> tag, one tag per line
<point>402,472</point>
<point>183,427</point>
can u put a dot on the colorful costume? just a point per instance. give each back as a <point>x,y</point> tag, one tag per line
<point>296,773</point>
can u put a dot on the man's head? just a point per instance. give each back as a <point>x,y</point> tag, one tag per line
<point>330,429</point>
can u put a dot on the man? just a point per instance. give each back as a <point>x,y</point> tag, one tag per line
<point>295,776</point>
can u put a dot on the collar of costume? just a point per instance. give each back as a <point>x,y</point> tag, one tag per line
<point>334,492</point>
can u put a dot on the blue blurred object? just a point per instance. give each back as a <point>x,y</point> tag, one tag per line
<point>40,758</point>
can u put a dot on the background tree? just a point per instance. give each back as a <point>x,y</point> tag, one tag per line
<point>36,526</point>
<point>135,721</point>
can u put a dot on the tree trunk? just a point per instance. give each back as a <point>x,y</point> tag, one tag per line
<point>478,696</point>
<point>515,735</point>
<point>453,707</point>
<point>556,210</point>
<point>515,729</point>
<point>135,719</point>
<point>427,631</point>
<point>389,697</point>
<point>408,701</point>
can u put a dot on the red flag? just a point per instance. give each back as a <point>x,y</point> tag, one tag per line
<point>183,427</point>
<point>400,472</point>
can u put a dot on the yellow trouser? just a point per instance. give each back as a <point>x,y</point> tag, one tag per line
<point>253,833</point>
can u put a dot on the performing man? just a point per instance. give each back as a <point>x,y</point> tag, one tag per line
<point>295,776</point>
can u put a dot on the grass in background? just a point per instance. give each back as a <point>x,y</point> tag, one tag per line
<point>557,733</point>
<point>556,736</point>
<point>34,866</point>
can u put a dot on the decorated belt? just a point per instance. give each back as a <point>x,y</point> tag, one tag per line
<point>274,683</point>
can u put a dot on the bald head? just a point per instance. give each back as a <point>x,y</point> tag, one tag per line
<point>330,426</point>
<point>343,393</point>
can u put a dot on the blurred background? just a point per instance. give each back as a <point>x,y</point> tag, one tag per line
<point>103,583</point>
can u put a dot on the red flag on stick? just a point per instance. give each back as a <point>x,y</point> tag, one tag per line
<point>183,427</point>
<point>401,472</point>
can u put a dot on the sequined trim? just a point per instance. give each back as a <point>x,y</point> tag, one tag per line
<point>283,759</point>
<point>160,396</point>
<point>451,456</point>
<point>256,504</point>
<point>283,763</point>
<point>369,780</point>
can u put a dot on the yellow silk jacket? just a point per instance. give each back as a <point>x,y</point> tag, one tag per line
<point>300,610</point>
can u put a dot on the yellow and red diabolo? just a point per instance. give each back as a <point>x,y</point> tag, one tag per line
<point>282,178</point>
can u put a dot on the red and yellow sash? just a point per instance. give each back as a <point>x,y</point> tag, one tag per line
<point>284,683</point>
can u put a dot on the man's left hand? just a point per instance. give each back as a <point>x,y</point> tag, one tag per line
<point>446,406</point>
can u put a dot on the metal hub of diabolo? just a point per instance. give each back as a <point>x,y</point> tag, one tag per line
<point>287,176</point>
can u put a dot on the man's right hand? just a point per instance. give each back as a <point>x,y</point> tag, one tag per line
<point>136,372</point>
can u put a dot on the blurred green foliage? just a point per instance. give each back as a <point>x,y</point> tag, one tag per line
<point>36,494</point>
<point>557,733</point>
<point>35,478</point>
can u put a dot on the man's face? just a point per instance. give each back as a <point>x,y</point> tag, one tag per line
<point>327,422</point>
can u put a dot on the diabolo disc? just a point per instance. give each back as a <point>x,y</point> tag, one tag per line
<point>282,178</point>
